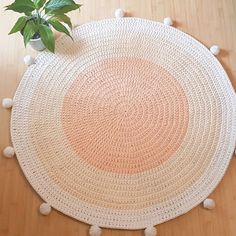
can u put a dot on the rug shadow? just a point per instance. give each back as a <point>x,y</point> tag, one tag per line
<point>67,48</point>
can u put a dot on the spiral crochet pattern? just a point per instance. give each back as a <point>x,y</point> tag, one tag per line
<point>130,125</point>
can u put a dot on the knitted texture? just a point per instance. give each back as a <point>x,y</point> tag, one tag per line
<point>130,125</point>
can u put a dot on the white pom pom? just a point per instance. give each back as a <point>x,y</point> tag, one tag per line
<point>215,50</point>
<point>7,102</point>
<point>150,231</point>
<point>95,231</point>
<point>29,60</point>
<point>119,13</point>
<point>168,21</point>
<point>45,209</point>
<point>8,152</point>
<point>209,204</point>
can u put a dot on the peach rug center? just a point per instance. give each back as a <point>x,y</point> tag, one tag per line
<point>125,115</point>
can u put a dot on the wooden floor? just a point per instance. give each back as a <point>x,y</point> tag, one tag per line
<point>211,22</point>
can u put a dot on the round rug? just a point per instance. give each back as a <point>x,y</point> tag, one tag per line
<point>130,125</point>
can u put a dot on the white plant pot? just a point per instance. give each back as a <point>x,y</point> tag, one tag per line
<point>37,44</point>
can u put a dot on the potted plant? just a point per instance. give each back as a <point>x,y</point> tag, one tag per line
<point>40,16</point>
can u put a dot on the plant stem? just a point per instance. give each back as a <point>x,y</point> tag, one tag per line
<point>39,18</point>
<point>45,17</point>
<point>50,17</point>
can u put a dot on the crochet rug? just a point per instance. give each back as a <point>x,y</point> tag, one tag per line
<point>130,125</point>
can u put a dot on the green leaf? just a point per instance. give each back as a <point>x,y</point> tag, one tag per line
<point>57,4</point>
<point>66,9</point>
<point>59,27</point>
<point>22,6</point>
<point>39,3</point>
<point>47,37</point>
<point>63,18</point>
<point>61,6</point>
<point>19,25</point>
<point>29,31</point>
